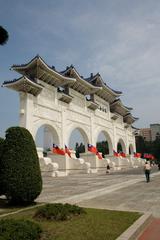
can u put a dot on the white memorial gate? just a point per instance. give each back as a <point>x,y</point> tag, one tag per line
<point>65,101</point>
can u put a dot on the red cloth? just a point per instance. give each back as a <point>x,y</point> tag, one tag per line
<point>99,155</point>
<point>92,149</point>
<point>122,154</point>
<point>57,150</point>
<point>137,155</point>
<point>115,154</point>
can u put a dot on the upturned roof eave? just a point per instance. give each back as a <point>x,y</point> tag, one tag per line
<point>83,81</point>
<point>18,80</point>
<point>105,86</point>
<point>118,102</point>
<point>36,58</point>
<point>129,115</point>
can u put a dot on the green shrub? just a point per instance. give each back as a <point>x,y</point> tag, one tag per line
<point>20,171</point>
<point>58,211</point>
<point>1,150</point>
<point>11,229</point>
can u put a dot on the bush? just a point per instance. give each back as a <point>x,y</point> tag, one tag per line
<point>11,229</point>
<point>58,211</point>
<point>20,171</point>
<point>1,150</point>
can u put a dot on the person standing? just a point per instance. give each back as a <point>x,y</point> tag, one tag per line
<point>147,170</point>
<point>108,169</point>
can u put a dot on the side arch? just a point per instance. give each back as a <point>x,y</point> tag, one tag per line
<point>48,135</point>
<point>122,143</point>
<point>108,139</point>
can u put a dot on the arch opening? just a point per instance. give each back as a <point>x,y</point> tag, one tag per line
<point>78,141</point>
<point>46,135</point>
<point>121,146</point>
<point>104,144</point>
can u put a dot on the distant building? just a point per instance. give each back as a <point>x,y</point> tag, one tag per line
<point>146,134</point>
<point>155,131</point>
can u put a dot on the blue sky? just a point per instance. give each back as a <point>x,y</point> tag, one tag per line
<point>118,38</point>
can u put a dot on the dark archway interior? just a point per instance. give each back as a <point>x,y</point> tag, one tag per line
<point>102,144</point>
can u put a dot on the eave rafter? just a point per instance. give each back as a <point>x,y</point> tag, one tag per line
<point>117,106</point>
<point>128,118</point>
<point>42,70</point>
<point>24,84</point>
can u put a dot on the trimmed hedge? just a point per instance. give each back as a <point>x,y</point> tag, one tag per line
<point>58,211</point>
<point>11,229</point>
<point>20,171</point>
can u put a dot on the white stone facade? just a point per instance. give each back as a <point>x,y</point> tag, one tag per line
<point>62,118</point>
<point>42,103</point>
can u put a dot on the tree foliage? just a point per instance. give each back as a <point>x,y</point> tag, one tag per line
<point>79,148</point>
<point>103,147</point>
<point>3,36</point>
<point>1,146</point>
<point>20,171</point>
<point>1,150</point>
<point>143,146</point>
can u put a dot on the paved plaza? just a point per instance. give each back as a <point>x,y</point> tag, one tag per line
<point>125,190</point>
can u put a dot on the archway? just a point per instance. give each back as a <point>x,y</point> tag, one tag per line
<point>131,150</point>
<point>78,141</point>
<point>121,146</point>
<point>45,136</point>
<point>104,143</point>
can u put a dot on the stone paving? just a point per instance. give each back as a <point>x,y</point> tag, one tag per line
<point>125,190</point>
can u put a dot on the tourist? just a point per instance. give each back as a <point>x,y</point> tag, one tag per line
<point>108,168</point>
<point>147,169</point>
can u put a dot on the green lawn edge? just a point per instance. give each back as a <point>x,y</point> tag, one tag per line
<point>99,224</point>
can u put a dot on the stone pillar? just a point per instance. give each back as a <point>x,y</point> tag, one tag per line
<point>92,130</point>
<point>114,138</point>
<point>26,111</point>
<point>127,145</point>
<point>63,140</point>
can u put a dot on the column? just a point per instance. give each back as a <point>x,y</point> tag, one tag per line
<point>26,111</point>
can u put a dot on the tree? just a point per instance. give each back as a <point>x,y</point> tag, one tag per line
<point>140,144</point>
<point>1,150</point>
<point>20,171</point>
<point>1,146</point>
<point>119,147</point>
<point>3,36</point>
<point>103,147</point>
